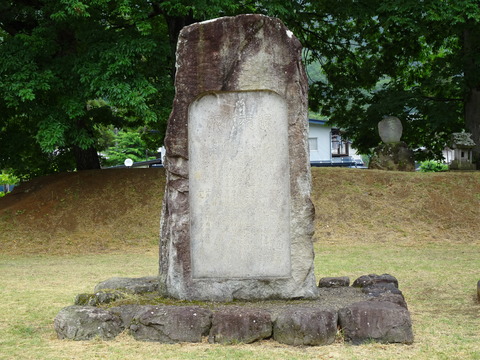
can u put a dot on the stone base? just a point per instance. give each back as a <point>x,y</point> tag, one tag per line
<point>393,156</point>
<point>372,309</point>
<point>465,166</point>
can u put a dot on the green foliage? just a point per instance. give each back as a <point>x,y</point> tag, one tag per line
<point>72,67</point>
<point>126,144</point>
<point>8,178</point>
<point>432,166</point>
<point>68,67</point>
<point>407,59</point>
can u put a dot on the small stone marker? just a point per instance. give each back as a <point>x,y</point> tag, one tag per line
<point>237,218</point>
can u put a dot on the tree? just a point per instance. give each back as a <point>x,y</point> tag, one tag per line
<point>126,144</point>
<point>418,60</point>
<point>69,66</point>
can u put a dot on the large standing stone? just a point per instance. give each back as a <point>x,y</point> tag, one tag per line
<point>237,217</point>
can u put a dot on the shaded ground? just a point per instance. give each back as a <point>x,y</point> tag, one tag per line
<point>111,210</point>
<point>82,212</point>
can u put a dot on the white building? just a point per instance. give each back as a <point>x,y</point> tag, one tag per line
<point>328,148</point>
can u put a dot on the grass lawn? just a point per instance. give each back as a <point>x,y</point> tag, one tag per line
<point>61,235</point>
<point>438,281</point>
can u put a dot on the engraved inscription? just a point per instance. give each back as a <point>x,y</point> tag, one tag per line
<point>239,186</point>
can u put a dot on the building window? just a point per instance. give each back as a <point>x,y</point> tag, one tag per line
<point>340,146</point>
<point>313,144</point>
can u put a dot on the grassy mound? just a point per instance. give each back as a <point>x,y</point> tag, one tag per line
<point>112,210</point>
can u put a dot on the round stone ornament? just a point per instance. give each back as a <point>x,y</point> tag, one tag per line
<point>390,129</point>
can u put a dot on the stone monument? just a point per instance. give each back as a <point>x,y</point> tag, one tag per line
<point>237,219</point>
<point>393,154</point>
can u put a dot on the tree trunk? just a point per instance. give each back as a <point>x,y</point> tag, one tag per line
<point>472,121</point>
<point>87,159</point>
<point>175,24</point>
<point>471,48</point>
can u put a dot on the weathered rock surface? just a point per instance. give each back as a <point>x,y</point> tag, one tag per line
<point>127,313</point>
<point>390,129</point>
<point>332,282</point>
<point>87,322</point>
<point>239,324</point>
<point>171,324</point>
<point>222,65</point>
<point>100,297</point>
<point>379,321</point>
<point>374,279</point>
<point>393,156</point>
<point>132,285</point>
<point>305,326</point>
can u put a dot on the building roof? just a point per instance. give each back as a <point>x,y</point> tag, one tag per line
<point>316,121</point>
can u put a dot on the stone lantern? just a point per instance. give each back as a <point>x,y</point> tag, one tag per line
<point>462,144</point>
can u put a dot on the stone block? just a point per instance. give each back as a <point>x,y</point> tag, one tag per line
<point>132,285</point>
<point>374,280</point>
<point>240,325</point>
<point>100,297</point>
<point>171,324</point>
<point>237,218</point>
<point>378,321</point>
<point>305,326</point>
<point>86,322</point>
<point>333,282</point>
<point>127,313</point>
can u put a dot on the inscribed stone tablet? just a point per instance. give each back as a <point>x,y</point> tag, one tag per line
<point>237,218</point>
<point>239,186</point>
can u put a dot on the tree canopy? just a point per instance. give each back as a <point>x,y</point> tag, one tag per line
<point>68,67</point>
<point>417,60</point>
<point>71,67</point>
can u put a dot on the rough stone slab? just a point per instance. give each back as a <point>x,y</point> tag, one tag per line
<point>225,62</point>
<point>393,298</point>
<point>132,285</point>
<point>333,282</point>
<point>98,298</point>
<point>171,324</point>
<point>375,280</point>
<point>381,288</point>
<point>238,324</point>
<point>127,313</point>
<point>379,321</point>
<point>305,326</point>
<point>86,322</point>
